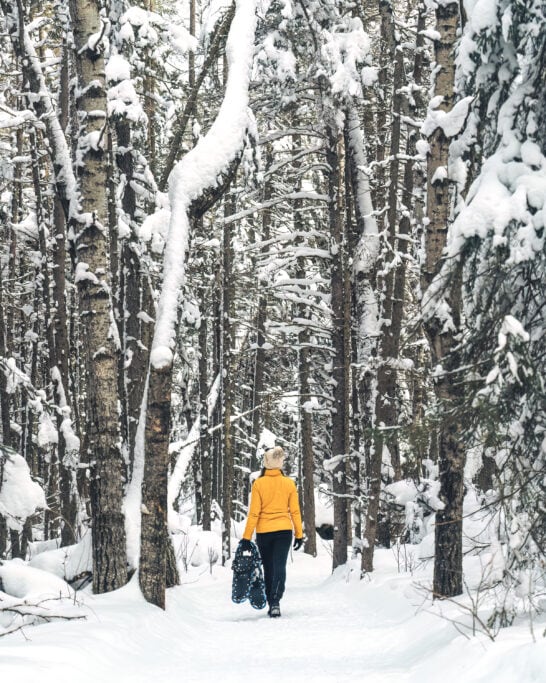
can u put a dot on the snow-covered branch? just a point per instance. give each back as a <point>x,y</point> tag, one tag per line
<point>291,196</point>
<point>41,100</point>
<point>187,447</point>
<point>200,170</point>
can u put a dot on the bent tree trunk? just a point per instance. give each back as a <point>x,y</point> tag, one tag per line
<point>94,279</point>
<point>209,187</point>
<point>153,533</point>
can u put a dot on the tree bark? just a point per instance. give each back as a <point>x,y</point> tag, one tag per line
<point>448,569</point>
<point>68,460</point>
<point>366,298</point>
<point>204,437</point>
<point>228,343</point>
<point>3,538</point>
<point>382,101</point>
<point>261,316</point>
<point>217,364</point>
<point>93,275</point>
<point>307,484</point>
<point>386,409</point>
<point>340,338</point>
<point>154,534</point>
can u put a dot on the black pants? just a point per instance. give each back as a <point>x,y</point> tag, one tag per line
<point>274,548</point>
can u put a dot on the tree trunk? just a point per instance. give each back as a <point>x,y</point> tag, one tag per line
<point>154,535</point>
<point>373,472</point>
<point>204,437</point>
<point>6,307</point>
<point>411,207</point>
<point>383,100</point>
<point>3,538</point>
<point>15,542</point>
<point>307,482</point>
<point>365,265</point>
<point>217,364</point>
<point>386,409</point>
<point>4,396</point>
<point>307,454</point>
<point>340,337</point>
<point>228,343</point>
<point>261,316</point>
<point>94,278</point>
<point>131,309</point>
<point>448,570</point>
<point>68,459</point>
<point>52,515</point>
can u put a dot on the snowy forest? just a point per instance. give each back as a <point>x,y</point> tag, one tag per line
<point>317,224</point>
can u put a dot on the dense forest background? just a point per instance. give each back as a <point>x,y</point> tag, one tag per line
<point>317,224</point>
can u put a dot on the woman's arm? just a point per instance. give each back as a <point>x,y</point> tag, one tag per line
<point>253,512</point>
<point>294,507</point>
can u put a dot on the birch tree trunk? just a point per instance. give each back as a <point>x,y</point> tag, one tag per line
<point>93,276</point>
<point>448,569</point>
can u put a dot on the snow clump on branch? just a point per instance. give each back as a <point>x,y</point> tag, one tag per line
<point>200,169</point>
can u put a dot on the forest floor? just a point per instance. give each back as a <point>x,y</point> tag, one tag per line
<point>333,628</point>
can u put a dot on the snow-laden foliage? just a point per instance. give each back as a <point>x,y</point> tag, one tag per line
<point>20,495</point>
<point>500,235</point>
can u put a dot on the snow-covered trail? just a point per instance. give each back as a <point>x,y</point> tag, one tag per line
<point>332,629</point>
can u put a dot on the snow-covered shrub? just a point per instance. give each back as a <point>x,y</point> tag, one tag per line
<point>195,547</point>
<point>419,500</point>
<point>73,563</point>
<point>32,596</point>
<point>20,495</point>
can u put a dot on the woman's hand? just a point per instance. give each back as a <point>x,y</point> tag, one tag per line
<point>298,542</point>
<point>245,544</point>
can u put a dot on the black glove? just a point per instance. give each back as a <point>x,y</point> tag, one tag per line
<point>298,542</point>
<point>245,545</point>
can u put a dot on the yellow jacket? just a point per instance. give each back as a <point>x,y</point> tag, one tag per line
<point>274,505</point>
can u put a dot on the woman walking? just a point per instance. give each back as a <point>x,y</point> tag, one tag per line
<point>274,512</point>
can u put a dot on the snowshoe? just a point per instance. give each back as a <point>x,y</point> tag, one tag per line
<point>248,582</point>
<point>256,593</point>
<point>242,573</point>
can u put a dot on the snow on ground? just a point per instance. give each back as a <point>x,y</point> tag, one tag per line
<point>333,628</point>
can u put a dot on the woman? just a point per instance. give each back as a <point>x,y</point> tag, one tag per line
<point>274,512</point>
